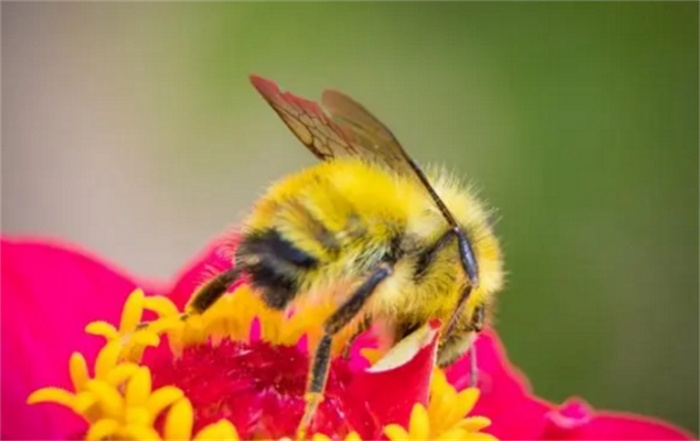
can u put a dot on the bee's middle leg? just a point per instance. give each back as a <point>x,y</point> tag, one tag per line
<point>321,359</point>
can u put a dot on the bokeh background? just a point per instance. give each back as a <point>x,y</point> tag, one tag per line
<point>132,129</point>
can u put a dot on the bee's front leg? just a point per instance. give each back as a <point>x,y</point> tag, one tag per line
<point>206,295</point>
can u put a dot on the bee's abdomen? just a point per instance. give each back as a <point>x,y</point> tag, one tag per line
<point>274,265</point>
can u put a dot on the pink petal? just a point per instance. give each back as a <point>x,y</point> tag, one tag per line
<point>505,392</point>
<point>49,293</point>
<point>516,413</point>
<point>570,416</point>
<point>576,420</point>
<point>401,378</point>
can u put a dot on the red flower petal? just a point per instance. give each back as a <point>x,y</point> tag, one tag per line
<point>401,378</point>
<point>516,413</point>
<point>505,397</point>
<point>576,420</point>
<point>49,293</point>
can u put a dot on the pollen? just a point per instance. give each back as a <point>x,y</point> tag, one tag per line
<point>235,372</point>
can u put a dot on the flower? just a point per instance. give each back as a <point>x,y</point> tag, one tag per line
<point>50,292</point>
<point>255,383</point>
<point>160,393</point>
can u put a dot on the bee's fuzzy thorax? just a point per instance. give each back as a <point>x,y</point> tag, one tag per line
<point>336,221</point>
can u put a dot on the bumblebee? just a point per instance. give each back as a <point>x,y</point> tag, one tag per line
<point>368,227</point>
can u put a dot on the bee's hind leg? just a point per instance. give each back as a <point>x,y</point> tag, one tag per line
<point>206,295</point>
<point>341,317</point>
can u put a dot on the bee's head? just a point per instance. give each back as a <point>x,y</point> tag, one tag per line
<point>454,346</point>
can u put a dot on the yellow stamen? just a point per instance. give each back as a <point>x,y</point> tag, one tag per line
<point>52,395</point>
<point>162,398</point>
<point>131,314</point>
<point>136,432</point>
<point>137,416</point>
<point>78,369</point>
<point>139,387</point>
<point>396,432</point>
<point>108,398</point>
<point>107,359</point>
<point>445,417</point>
<point>102,429</point>
<point>102,329</point>
<point>223,430</point>
<point>133,338</point>
<point>178,422</point>
<point>120,373</point>
<point>161,306</point>
<point>419,426</point>
<point>448,407</point>
<point>84,401</point>
<point>473,424</point>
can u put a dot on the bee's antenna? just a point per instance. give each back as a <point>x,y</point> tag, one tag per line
<point>466,252</point>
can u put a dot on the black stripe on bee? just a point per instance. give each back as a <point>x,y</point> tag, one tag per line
<point>273,264</point>
<point>276,287</point>
<point>270,243</point>
<point>396,250</point>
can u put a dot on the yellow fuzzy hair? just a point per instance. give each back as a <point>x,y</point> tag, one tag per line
<point>363,206</point>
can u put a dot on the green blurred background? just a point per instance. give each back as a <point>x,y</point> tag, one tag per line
<point>132,129</point>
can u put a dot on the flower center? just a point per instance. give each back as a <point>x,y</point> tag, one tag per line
<point>260,387</point>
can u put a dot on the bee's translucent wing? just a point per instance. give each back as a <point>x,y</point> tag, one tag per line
<point>307,121</point>
<point>372,139</point>
<point>351,130</point>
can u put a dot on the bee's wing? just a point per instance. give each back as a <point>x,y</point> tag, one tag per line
<point>307,121</point>
<point>351,130</point>
<point>372,139</point>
